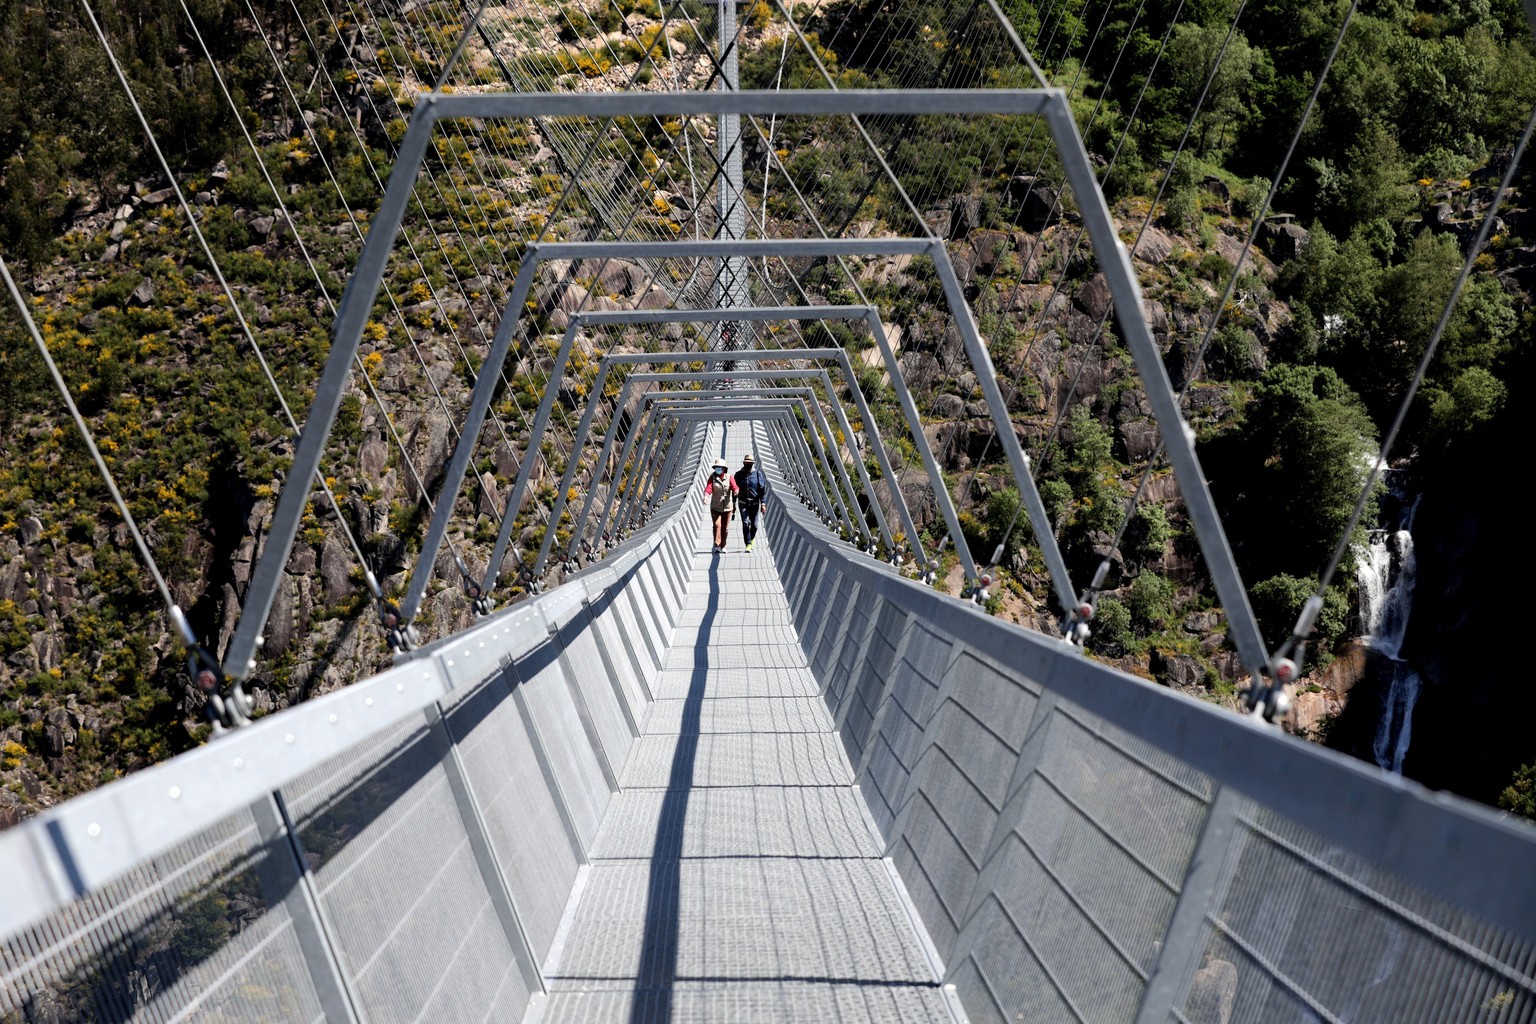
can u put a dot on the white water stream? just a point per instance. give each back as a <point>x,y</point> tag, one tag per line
<point>1386,574</point>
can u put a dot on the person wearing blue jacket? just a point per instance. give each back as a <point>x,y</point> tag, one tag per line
<point>751,497</point>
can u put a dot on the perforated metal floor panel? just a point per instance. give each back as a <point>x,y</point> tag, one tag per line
<point>735,876</point>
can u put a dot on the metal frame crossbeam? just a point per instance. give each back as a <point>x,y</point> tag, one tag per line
<point>824,450</point>
<point>453,476</point>
<point>676,403</point>
<point>557,375</point>
<point>834,355</point>
<point>819,374</point>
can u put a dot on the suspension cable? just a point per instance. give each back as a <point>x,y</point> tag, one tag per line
<point>84,429</point>
<point>236,708</point>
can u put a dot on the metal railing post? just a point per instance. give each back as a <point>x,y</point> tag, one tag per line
<point>858,460</point>
<point>489,865</point>
<point>636,474</point>
<point>286,879</point>
<point>930,464</point>
<point>1185,940</point>
<point>530,454</point>
<point>829,479</point>
<point>619,478</point>
<point>834,453</point>
<point>882,456</point>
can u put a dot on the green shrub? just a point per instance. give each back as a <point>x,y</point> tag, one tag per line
<point>1150,602</point>
<point>1111,628</point>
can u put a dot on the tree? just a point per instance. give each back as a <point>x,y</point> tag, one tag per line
<point>1307,446</point>
<point>1150,531</point>
<point>1111,628</point>
<point>1277,602</point>
<point>1150,602</point>
<point>1473,398</point>
<point>1192,53</point>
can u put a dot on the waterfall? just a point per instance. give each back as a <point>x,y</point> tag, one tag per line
<point>1386,576</point>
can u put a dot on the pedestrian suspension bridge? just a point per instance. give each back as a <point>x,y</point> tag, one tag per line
<point>795,784</point>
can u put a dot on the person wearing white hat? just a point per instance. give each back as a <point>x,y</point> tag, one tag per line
<point>720,492</point>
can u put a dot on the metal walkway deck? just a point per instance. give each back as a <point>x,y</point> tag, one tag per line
<point>737,875</point>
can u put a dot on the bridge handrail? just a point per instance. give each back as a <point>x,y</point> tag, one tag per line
<point>1467,854</point>
<point>68,851</point>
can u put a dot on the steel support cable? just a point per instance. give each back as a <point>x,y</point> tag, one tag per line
<point>645,56</point>
<point>895,484</point>
<point>1018,44</point>
<point>948,52</point>
<point>1030,137</point>
<point>718,70</point>
<point>282,207</point>
<point>773,123</point>
<point>1080,68</point>
<point>389,613</point>
<point>600,198</point>
<point>203,668</point>
<point>458,50</point>
<point>410,244</point>
<point>471,589</point>
<point>1063,406</point>
<point>1145,223</point>
<point>908,124</point>
<point>1029,191</point>
<point>1093,116</point>
<point>506,522</point>
<point>641,65</point>
<point>546,128</point>
<point>1040,236</point>
<point>959,36</point>
<point>858,124</point>
<point>400,632</point>
<point>1104,566</point>
<point>503,539</point>
<point>1264,698</point>
<point>1135,244</point>
<point>200,660</point>
<point>1293,645</point>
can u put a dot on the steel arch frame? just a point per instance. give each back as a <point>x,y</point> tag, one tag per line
<point>1052,104</point>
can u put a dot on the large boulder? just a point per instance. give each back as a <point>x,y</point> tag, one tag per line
<point>1035,203</point>
<point>946,407</point>
<point>1154,246</point>
<point>335,570</point>
<point>1093,297</point>
<point>964,216</point>
<point>1283,239</point>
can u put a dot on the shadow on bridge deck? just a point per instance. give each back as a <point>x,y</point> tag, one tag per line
<point>736,875</point>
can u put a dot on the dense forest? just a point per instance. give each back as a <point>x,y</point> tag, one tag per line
<point>1356,256</point>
